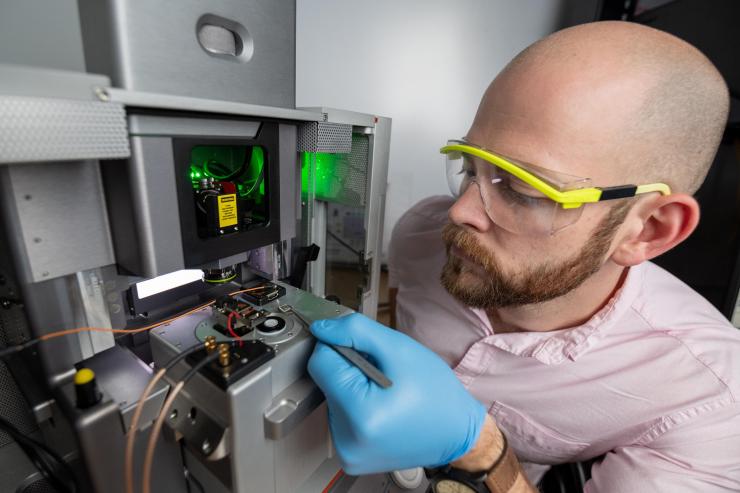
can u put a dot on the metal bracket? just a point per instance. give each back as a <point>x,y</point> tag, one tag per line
<point>289,408</point>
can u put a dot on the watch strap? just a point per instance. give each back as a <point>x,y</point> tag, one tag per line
<point>502,475</point>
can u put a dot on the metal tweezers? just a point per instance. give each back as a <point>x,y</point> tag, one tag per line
<point>370,370</point>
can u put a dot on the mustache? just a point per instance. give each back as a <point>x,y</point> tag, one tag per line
<point>454,235</point>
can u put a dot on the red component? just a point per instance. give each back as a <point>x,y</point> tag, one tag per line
<point>333,481</point>
<point>227,186</point>
<point>231,329</point>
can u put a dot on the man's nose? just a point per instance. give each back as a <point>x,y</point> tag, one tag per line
<point>469,210</point>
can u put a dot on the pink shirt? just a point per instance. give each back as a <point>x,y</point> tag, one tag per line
<point>651,380</point>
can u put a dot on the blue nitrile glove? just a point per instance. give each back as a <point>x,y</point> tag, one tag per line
<point>426,418</point>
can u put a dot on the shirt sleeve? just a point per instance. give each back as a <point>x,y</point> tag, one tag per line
<point>702,454</point>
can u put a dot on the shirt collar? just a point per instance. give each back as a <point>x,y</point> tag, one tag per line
<point>556,346</point>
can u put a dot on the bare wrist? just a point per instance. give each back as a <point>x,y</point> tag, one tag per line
<point>486,451</point>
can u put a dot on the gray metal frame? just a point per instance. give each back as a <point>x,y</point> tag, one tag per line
<point>276,432</point>
<point>378,129</point>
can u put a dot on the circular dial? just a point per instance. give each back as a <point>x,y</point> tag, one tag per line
<point>451,486</point>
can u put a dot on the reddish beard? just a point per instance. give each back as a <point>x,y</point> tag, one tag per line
<point>490,287</point>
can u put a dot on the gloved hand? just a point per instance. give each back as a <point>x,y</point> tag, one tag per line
<point>426,418</point>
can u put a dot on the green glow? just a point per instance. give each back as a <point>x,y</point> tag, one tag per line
<point>195,175</point>
<point>326,184</point>
<point>231,163</point>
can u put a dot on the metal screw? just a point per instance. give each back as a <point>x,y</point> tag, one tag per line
<point>173,414</point>
<point>206,447</point>
<point>102,94</point>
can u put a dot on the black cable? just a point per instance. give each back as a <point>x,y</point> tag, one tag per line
<point>5,352</point>
<point>224,177</point>
<point>51,465</point>
<point>176,359</point>
<point>200,364</point>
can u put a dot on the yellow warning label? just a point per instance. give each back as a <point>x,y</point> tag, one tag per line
<point>227,210</point>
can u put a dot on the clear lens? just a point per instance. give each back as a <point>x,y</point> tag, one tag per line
<point>511,203</point>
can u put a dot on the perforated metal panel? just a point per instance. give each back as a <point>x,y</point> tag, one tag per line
<point>13,406</point>
<point>46,129</point>
<point>325,137</point>
<point>357,167</point>
<point>40,486</point>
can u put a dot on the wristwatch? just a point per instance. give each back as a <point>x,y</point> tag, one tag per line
<point>448,479</point>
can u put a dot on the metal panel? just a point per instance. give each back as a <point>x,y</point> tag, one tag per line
<point>325,137</point>
<point>377,184</point>
<point>13,406</point>
<point>290,179</point>
<point>57,115</point>
<point>42,33</point>
<point>44,129</point>
<point>16,467</point>
<point>182,103</point>
<point>160,125</point>
<point>17,80</point>
<point>59,215</point>
<point>151,46</point>
<point>101,438</point>
<point>346,117</point>
<point>154,204</point>
<point>123,377</point>
<point>93,303</point>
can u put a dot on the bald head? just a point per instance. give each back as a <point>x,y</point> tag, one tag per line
<point>615,101</point>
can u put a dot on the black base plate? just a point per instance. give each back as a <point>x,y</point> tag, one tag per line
<point>245,358</point>
<point>270,293</point>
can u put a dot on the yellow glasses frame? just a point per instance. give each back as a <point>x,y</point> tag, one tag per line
<point>570,199</point>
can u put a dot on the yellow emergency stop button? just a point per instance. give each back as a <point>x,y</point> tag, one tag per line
<point>86,389</point>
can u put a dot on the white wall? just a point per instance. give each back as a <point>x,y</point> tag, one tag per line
<point>424,63</point>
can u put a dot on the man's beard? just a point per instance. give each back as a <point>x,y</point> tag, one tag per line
<point>537,284</point>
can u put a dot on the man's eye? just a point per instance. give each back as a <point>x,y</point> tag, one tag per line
<point>531,198</point>
<point>468,170</point>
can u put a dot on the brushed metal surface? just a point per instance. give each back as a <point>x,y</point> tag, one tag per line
<point>59,214</point>
<point>153,46</point>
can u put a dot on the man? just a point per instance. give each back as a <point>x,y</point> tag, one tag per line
<point>534,285</point>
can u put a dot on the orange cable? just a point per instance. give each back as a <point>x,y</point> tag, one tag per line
<point>130,436</point>
<point>60,333</point>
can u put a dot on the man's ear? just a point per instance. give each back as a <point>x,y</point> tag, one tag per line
<point>655,226</point>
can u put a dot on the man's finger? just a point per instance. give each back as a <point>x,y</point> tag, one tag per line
<point>358,332</point>
<point>336,377</point>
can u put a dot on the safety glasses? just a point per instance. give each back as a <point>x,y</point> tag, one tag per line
<point>523,198</point>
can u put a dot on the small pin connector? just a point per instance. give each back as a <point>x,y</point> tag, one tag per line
<point>224,355</point>
<point>210,344</point>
